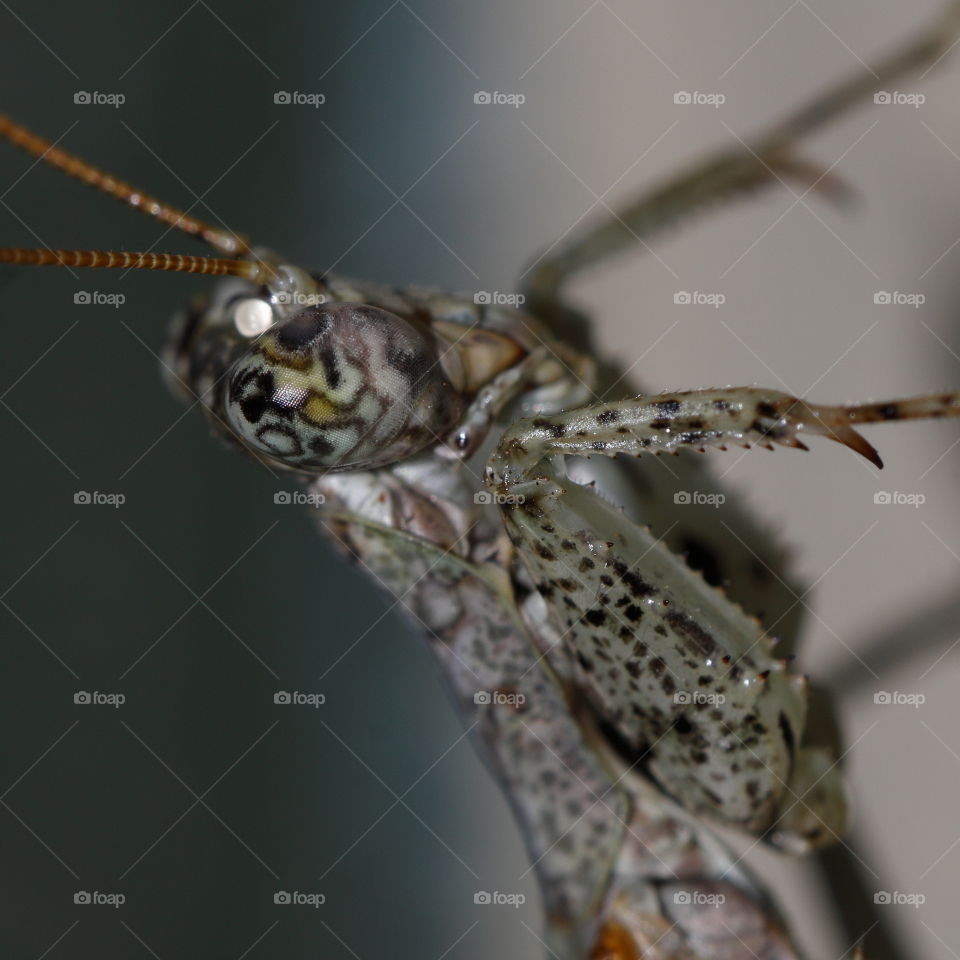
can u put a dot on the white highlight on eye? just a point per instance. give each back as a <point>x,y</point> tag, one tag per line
<point>288,395</point>
<point>251,317</point>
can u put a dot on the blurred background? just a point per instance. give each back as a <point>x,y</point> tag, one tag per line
<point>199,798</point>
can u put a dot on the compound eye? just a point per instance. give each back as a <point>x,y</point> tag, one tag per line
<point>341,386</point>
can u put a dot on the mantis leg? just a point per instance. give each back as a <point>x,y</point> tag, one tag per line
<point>728,173</point>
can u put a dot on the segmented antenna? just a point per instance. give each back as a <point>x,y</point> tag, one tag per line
<point>257,271</point>
<point>44,150</point>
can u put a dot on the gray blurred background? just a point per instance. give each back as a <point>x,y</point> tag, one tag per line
<point>199,798</point>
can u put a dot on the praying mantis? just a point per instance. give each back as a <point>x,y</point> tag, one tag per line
<point>430,431</point>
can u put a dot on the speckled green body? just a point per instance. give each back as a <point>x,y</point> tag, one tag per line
<point>595,761</point>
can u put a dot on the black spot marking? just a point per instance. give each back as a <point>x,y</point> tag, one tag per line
<point>544,551</point>
<point>668,408</point>
<point>637,585</point>
<point>692,631</point>
<point>608,416</point>
<point>412,365</point>
<point>330,368</point>
<point>682,725</point>
<point>321,446</point>
<point>787,731</point>
<point>596,617</point>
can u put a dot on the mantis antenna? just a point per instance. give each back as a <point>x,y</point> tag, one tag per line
<point>256,270</point>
